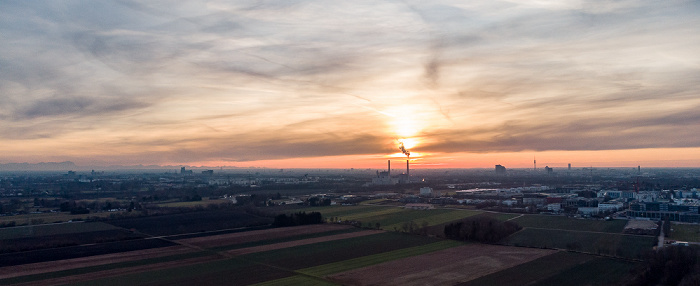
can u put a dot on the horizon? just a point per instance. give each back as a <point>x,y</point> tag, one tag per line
<point>313,84</point>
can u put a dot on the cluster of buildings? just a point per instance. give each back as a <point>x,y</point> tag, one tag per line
<point>384,178</point>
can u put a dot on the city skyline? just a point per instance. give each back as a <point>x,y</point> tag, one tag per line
<point>320,84</point>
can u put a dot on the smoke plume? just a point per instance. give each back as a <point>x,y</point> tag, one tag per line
<point>403,149</point>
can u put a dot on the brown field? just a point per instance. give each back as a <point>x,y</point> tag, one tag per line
<point>287,244</point>
<point>59,265</point>
<point>257,235</point>
<point>445,267</point>
<point>119,271</point>
<point>210,241</point>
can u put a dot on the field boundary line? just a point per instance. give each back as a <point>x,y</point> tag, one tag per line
<point>521,215</point>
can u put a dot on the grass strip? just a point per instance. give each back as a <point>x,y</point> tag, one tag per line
<point>363,215</point>
<point>296,280</point>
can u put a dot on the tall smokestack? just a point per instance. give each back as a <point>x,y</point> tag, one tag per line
<point>408,175</point>
<point>388,167</point>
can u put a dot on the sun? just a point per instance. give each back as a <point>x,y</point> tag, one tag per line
<point>408,143</point>
<point>405,121</point>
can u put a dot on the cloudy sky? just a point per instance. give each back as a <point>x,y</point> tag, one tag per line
<point>337,83</point>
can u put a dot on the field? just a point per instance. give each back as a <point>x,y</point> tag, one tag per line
<point>34,237</point>
<point>560,222</point>
<point>392,218</point>
<point>685,232</point>
<point>210,248</point>
<point>203,202</point>
<point>191,222</point>
<point>561,268</point>
<point>631,246</point>
<point>269,265</point>
<point>53,229</point>
<point>466,263</point>
<point>51,217</point>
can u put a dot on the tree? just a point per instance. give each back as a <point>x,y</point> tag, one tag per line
<point>481,229</point>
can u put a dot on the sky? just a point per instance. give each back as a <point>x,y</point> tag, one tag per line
<point>339,84</point>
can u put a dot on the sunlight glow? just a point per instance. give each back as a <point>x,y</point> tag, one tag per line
<point>405,123</point>
<point>408,143</point>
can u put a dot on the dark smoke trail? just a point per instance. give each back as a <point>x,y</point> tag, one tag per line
<point>403,149</point>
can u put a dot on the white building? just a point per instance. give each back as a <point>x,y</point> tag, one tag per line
<point>610,206</point>
<point>555,207</point>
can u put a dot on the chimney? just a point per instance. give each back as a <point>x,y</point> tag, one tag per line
<point>408,176</point>
<point>388,166</point>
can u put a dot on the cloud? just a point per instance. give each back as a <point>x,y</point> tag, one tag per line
<point>257,80</point>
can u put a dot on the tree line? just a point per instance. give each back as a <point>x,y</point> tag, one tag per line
<point>300,218</point>
<point>481,229</point>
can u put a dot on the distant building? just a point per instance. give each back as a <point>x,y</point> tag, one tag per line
<point>500,169</point>
<point>183,171</point>
<point>683,212</point>
<point>208,172</point>
<point>588,210</point>
<point>419,206</point>
<point>548,169</point>
<point>426,191</point>
<point>610,206</point>
<point>554,207</point>
<point>384,177</point>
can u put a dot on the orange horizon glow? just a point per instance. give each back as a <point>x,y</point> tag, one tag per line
<point>646,158</point>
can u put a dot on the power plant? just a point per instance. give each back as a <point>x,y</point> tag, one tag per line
<point>385,178</point>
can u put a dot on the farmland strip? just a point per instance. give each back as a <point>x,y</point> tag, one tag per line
<point>301,242</point>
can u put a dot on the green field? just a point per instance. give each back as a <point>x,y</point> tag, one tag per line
<point>500,216</point>
<point>296,280</point>
<point>560,222</point>
<point>685,232</point>
<point>598,243</point>
<point>337,211</point>
<point>393,218</point>
<point>337,267</point>
<point>52,217</point>
<point>306,256</point>
<point>203,202</point>
<point>53,229</point>
<point>561,268</point>
<point>599,271</point>
<point>279,267</point>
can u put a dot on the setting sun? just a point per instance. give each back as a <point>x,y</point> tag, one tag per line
<point>408,143</point>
